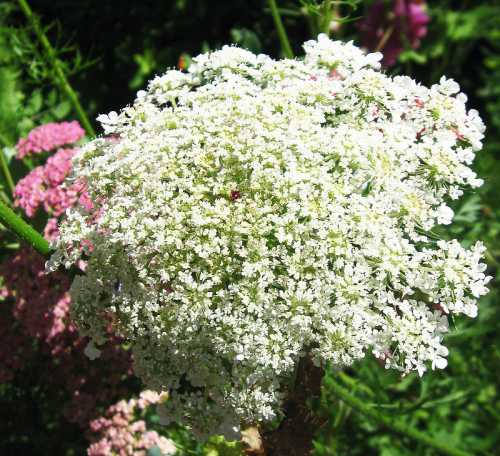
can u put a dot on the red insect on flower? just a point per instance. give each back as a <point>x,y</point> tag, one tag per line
<point>235,195</point>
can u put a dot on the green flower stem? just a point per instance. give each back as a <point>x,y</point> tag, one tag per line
<point>4,197</point>
<point>390,423</point>
<point>6,172</point>
<point>285,44</point>
<point>326,17</point>
<point>25,231</point>
<point>56,66</point>
<point>5,168</point>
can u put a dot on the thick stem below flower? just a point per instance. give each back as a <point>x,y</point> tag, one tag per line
<point>294,436</point>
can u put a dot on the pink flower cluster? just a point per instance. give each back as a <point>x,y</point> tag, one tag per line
<point>387,29</point>
<point>36,308</point>
<point>34,317</point>
<point>123,432</point>
<point>41,303</point>
<point>49,137</point>
<point>43,187</point>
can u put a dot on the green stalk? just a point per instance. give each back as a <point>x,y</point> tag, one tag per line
<point>390,423</point>
<point>5,168</point>
<point>25,231</point>
<point>326,17</point>
<point>6,172</point>
<point>4,197</point>
<point>285,44</point>
<point>56,66</point>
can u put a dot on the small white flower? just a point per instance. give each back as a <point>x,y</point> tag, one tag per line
<point>444,214</point>
<point>108,121</point>
<point>478,288</point>
<point>448,86</point>
<point>439,363</point>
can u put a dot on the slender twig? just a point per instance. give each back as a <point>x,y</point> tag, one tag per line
<point>56,66</point>
<point>385,37</point>
<point>25,231</point>
<point>285,44</point>
<point>390,423</point>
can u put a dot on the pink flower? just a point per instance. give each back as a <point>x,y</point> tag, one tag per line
<point>42,304</point>
<point>48,137</point>
<point>45,186</point>
<point>100,448</point>
<point>30,191</point>
<point>51,230</point>
<point>387,29</point>
<point>34,315</point>
<point>121,431</point>
<point>59,166</point>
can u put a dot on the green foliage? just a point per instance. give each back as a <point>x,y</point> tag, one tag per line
<point>325,16</point>
<point>28,97</point>
<point>246,39</point>
<point>217,446</point>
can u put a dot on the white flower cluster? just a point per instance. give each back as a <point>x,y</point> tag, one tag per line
<point>251,211</point>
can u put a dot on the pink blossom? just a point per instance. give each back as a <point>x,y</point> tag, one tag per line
<point>45,186</point>
<point>122,431</point>
<point>100,448</point>
<point>37,307</point>
<point>146,398</point>
<point>51,230</point>
<point>42,305</point>
<point>387,29</point>
<point>34,315</point>
<point>58,166</point>
<point>30,191</point>
<point>49,137</point>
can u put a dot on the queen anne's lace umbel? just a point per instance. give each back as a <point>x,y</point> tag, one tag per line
<point>252,211</point>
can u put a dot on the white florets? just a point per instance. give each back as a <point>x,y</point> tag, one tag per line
<point>252,211</point>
